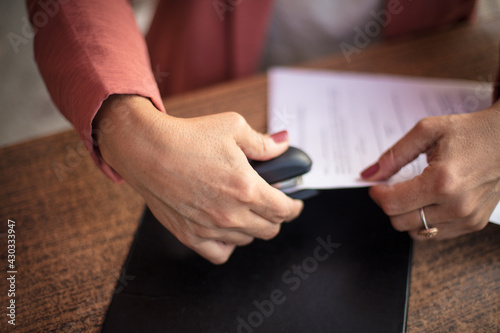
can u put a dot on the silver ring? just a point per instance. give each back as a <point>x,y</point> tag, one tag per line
<point>422,216</point>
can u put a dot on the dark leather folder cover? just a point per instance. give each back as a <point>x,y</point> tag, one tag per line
<point>339,267</point>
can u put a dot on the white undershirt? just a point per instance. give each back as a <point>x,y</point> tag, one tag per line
<point>302,30</point>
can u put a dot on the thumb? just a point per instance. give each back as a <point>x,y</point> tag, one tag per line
<point>418,140</point>
<point>261,147</point>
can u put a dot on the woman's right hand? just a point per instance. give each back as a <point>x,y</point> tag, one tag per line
<point>194,173</point>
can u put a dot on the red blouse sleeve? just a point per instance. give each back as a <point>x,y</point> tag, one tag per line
<point>87,50</point>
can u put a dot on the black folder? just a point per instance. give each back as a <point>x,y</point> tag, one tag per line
<point>339,267</point>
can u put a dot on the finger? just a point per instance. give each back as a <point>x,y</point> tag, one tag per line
<point>426,190</point>
<point>245,222</point>
<point>434,215</point>
<point>216,252</point>
<point>259,227</point>
<point>224,235</point>
<point>454,227</point>
<point>404,197</point>
<point>235,237</point>
<point>275,206</point>
<point>238,226</point>
<point>418,140</point>
<point>259,146</point>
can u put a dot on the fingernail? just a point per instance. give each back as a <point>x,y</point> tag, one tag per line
<point>280,136</point>
<point>370,171</point>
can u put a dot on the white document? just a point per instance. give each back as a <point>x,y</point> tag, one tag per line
<point>345,121</point>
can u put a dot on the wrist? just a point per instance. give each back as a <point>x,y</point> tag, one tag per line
<point>123,110</point>
<point>120,125</point>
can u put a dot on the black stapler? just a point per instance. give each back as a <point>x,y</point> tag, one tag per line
<point>285,171</point>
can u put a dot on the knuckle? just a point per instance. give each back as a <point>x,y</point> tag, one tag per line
<point>399,225</point>
<point>225,221</point>
<point>230,220</point>
<point>187,239</point>
<point>281,213</point>
<point>446,183</point>
<point>474,226</point>
<point>475,223</point>
<point>220,259</point>
<point>389,207</point>
<point>246,241</point>
<point>205,233</point>
<point>425,124</point>
<point>246,190</point>
<point>236,119</point>
<point>388,158</point>
<point>262,143</point>
<point>270,232</point>
<point>387,201</point>
<point>479,225</point>
<point>465,209</point>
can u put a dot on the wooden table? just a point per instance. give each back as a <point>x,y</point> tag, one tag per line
<point>74,229</point>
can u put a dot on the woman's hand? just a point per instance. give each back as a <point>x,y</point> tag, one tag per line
<point>460,187</point>
<point>194,174</point>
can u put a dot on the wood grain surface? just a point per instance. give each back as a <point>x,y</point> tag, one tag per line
<point>74,227</point>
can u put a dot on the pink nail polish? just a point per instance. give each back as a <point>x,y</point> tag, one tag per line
<point>280,136</point>
<point>370,171</point>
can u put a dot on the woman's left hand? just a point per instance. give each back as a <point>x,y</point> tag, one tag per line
<point>460,187</point>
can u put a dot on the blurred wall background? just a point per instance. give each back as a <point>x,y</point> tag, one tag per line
<point>26,111</point>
